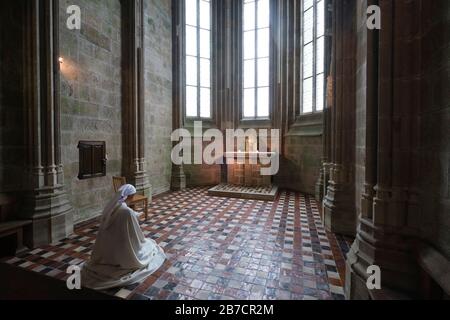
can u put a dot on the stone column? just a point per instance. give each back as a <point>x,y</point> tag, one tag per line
<point>389,207</point>
<point>322,182</point>
<point>134,107</point>
<point>45,203</point>
<point>327,137</point>
<point>326,165</point>
<point>319,188</point>
<point>371,119</point>
<point>178,180</point>
<point>339,209</point>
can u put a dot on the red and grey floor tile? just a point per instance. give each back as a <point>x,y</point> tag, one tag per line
<point>221,249</point>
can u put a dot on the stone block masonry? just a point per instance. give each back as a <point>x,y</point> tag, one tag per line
<point>91,106</point>
<point>158,93</point>
<point>91,96</point>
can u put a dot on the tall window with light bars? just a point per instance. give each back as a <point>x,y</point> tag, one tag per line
<point>256,59</point>
<point>197,54</point>
<point>313,56</point>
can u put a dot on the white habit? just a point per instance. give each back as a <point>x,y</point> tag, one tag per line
<point>121,255</point>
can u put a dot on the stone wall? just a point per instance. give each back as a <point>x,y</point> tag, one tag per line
<point>301,163</point>
<point>12,113</point>
<point>202,175</point>
<point>158,93</point>
<point>361,80</point>
<point>91,107</point>
<point>435,118</point>
<point>299,169</point>
<point>91,96</point>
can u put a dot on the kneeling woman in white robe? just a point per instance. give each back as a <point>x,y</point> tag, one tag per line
<point>121,254</point>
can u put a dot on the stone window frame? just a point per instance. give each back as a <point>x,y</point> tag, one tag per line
<point>199,58</point>
<point>180,75</point>
<point>226,64</point>
<point>256,120</point>
<point>314,66</point>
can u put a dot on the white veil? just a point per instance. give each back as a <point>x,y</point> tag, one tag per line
<point>116,202</point>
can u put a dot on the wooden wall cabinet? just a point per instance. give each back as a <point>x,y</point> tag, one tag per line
<point>92,162</point>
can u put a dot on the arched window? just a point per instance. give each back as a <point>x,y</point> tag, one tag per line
<point>197,53</point>
<point>313,55</point>
<point>256,59</point>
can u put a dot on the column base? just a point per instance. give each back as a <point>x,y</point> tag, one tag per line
<point>355,284</point>
<point>339,212</point>
<point>142,185</point>
<point>51,215</point>
<point>392,254</point>
<point>319,187</point>
<point>178,180</point>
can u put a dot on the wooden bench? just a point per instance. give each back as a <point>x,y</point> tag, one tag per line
<point>15,228</point>
<point>10,226</point>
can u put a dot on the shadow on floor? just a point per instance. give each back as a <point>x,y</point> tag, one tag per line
<point>19,284</point>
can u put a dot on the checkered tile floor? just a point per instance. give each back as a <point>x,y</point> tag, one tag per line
<point>221,248</point>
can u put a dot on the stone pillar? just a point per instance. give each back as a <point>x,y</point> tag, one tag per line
<point>319,188</point>
<point>371,119</point>
<point>389,207</point>
<point>45,203</point>
<point>339,208</point>
<point>134,108</point>
<point>324,178</point>
<point>327,137</point>
<point>322,182</point>
<point>178,180</point>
